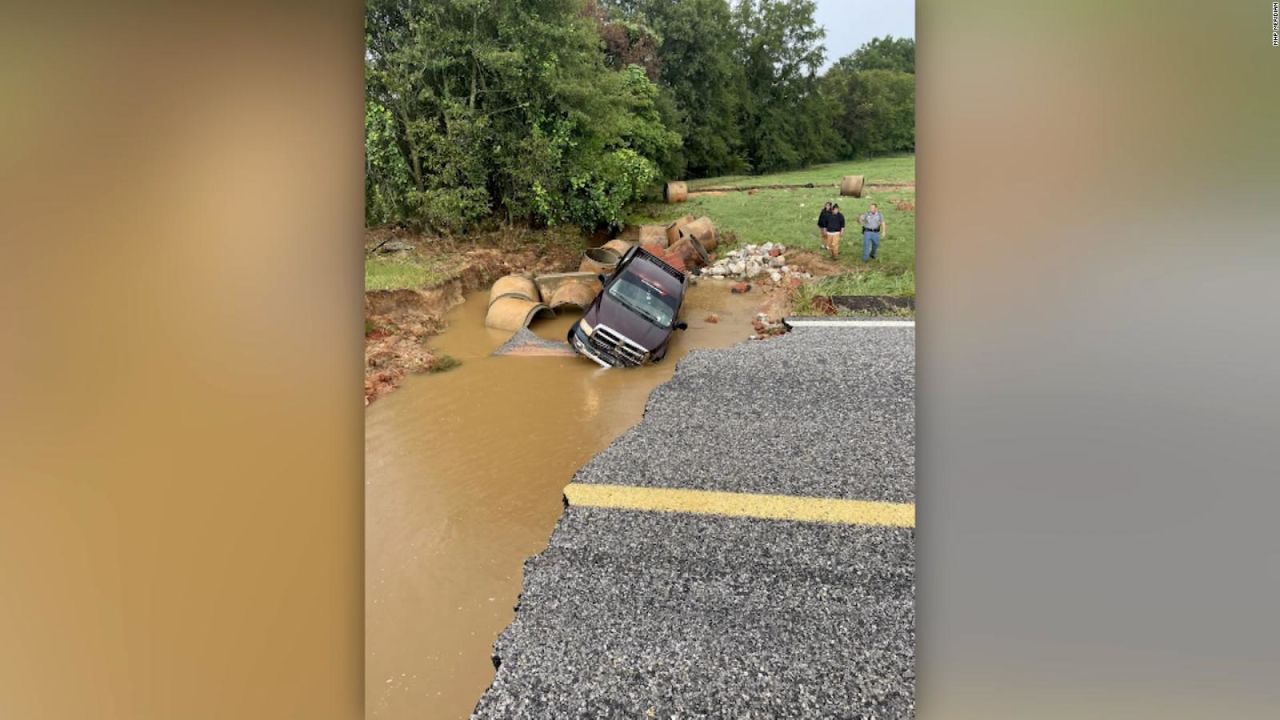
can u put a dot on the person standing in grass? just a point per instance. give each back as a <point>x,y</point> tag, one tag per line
<point>873,231</point>
<point>833,229</point>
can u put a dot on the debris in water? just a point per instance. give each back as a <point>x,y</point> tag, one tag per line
<point>766,328</point>
<point>526,343</point>
<point>392,246</point>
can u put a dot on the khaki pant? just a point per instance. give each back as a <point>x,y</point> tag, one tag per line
<point>831,241</point>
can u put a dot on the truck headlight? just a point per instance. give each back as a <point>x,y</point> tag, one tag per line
<point>585,327</point>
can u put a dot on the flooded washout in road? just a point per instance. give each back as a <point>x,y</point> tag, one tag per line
<point>464,472</point>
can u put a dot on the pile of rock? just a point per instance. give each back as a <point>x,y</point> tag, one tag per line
<point>766,328</point>
<point>753,262</point>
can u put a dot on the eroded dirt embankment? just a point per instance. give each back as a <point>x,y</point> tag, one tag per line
<point>398,322</point>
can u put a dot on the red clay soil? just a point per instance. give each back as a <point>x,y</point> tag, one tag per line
<point>813,263</point>
<point>776,303</point>
<point>398,322</point>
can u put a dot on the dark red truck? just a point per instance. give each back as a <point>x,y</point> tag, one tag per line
<point>631,321</point>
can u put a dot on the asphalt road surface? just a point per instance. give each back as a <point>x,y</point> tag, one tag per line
<point>747,550</point>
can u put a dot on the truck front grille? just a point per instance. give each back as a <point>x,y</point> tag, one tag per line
<point>614,344</point>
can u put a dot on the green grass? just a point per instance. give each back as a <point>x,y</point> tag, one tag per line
<point>383,272</point>
<point>866,283</point>
<point>445,363</point>
<point>790,216</point>
<point>889,169</point>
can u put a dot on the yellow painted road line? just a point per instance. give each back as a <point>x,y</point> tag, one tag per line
<point>748,505</point>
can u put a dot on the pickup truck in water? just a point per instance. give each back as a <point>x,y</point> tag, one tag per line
<point>632,320</point>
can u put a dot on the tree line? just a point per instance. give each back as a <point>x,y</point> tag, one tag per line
<point>566,111</point>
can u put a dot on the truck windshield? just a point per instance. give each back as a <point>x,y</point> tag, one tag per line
<point>646,298</point>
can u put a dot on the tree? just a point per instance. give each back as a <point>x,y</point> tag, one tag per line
<point>780,48</point>
<point>508,107</point>
<point>886,53</point>
<point>874,109</point>
<point>626,41</point>
<point>700,78</point>
<point>566,111</point>
<point>420,56</point>
<point>386,178</point>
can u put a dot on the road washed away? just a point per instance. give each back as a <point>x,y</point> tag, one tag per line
<point>746,550</point>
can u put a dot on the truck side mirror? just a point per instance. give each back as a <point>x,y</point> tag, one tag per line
<point>603,278</point>
<point>682,325</point>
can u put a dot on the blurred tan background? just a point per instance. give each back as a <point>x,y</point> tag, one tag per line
<point>180,455</point>
<point>1097,347</point>
<point>180,503</point>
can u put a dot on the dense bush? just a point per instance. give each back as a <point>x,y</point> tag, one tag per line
<point>509,108</point>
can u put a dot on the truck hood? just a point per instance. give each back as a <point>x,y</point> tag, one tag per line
<point>609,311</point>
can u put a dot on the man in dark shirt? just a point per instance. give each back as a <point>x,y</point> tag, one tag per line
<point>834,229</point>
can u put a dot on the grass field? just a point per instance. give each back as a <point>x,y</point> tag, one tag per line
<point>890,169</point>
<point>790,217</point>
<point>393,273</point>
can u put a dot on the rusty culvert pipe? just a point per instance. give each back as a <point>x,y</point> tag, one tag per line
<point>673,230</point>
<point>690,252</point>
<point>651,235</point>
<point>675,192</point>
<point>673,258</point>
<point>703,230</point>
<point>851,185</point>
<point>599,260</point>
<point>619,246</point>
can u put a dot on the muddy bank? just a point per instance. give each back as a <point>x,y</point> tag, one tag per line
<point>398,322</point>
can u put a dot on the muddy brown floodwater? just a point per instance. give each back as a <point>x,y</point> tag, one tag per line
<point>464,472</point>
